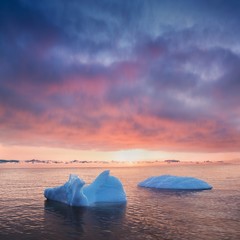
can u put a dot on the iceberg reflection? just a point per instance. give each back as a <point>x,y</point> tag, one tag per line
<point>85,222</point>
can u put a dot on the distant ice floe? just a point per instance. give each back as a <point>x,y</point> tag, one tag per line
<point>104,189</point>
<point>170,182</point>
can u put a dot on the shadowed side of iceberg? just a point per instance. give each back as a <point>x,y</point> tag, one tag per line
<point>170,182</point>
<point>69,193</point>
<point>104,189</point>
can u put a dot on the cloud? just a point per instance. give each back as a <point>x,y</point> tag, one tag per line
<point>119,75</point>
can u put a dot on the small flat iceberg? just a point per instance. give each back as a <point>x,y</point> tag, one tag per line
<point>104,189</point>
<point>169,182</point>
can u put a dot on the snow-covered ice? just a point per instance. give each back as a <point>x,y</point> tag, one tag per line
<point>74,192</point>
<point>175,183</point>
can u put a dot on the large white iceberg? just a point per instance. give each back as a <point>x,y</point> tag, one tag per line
<point>104,189</point>
<point>170,182</point>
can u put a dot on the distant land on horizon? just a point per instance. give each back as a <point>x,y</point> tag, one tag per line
<point>113,162</point>
<point>9,161</point>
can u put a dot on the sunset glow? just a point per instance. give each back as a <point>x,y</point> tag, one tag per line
<point>120,80</point>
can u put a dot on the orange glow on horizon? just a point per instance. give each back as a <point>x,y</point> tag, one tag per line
<point>65,155</point>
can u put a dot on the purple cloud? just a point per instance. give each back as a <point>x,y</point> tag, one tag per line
<point>162,72</point>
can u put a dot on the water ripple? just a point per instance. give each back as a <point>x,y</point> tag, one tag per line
<point>148,214</point>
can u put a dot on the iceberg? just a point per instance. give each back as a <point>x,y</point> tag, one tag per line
<point>104,189</point>
<point>169,182</point>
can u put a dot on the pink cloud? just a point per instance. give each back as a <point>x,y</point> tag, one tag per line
<point>85,130</point>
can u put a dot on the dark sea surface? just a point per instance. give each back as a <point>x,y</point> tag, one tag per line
<point>148,214</point>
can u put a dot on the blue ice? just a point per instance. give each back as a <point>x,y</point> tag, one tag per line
<point>104,189</point>
<point>170,182</point>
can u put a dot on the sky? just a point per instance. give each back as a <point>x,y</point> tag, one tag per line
<point>120,80</point>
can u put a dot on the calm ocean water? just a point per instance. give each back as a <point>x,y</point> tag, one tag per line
<point>148,214</point>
